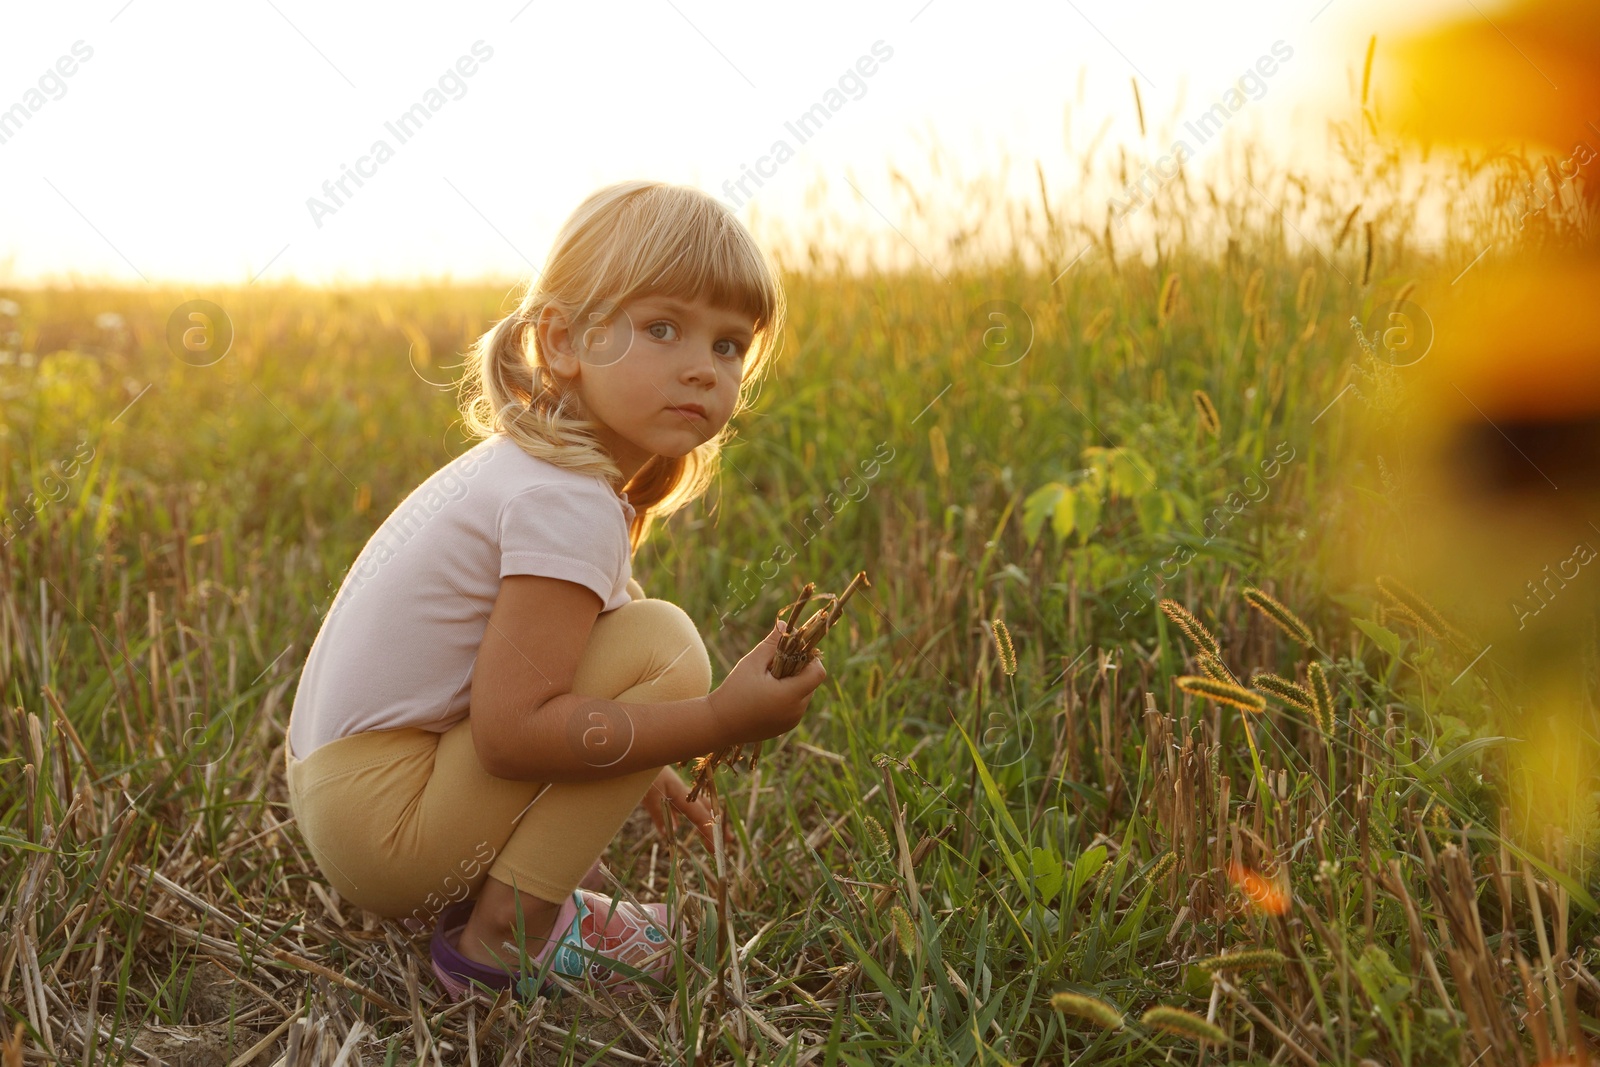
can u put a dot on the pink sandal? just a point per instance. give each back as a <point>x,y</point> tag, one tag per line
<point>595,934</point>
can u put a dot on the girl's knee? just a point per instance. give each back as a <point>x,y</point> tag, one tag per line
<point>678,650</point>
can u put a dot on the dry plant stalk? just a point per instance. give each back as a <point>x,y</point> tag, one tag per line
<point>796,648</point>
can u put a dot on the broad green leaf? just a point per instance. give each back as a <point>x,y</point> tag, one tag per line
<point>1065,514</point>
<point>1039,506</point>
<point>1048,873</point>
<point>1086,511</point>
<point>1086,867</point>
<point>1387,640</point>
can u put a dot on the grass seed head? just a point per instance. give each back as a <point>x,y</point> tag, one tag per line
<point>1213,667</point>
<point>1222,692</point>
<point>1286,620</point>
<point>1002,642</point>
<point>1291,693</point>
<point>877,837</point>
<point>1322,695</point>
<point>1208,412</point>
<point>902,930</point>
<point>1168,303</point>
<point>1192,628</point>
<point>1183,1024</point>
<point>1427,618</point>
<point>1093,1009</point>
<point>1256,959</point>
<point>1302,292</point>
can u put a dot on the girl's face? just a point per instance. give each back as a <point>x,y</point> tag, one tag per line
<point>641,375</point>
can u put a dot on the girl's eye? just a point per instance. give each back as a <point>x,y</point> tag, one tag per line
<point>660,325</point>
<point>737,350</point>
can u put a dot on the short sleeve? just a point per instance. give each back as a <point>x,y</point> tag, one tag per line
<point>563,530</point>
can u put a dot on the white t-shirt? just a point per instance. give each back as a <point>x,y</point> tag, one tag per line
<point>399,642</point>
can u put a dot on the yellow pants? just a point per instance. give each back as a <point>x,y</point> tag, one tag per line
<point>402,822</point>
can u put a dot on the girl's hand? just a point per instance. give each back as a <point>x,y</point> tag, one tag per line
<point>668,788</point>
<point>751,705</point>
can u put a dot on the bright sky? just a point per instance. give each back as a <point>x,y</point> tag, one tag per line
<point>186,140</point>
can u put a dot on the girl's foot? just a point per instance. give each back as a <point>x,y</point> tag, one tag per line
<point>590,936</point>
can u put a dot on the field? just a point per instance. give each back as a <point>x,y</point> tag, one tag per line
<point>1005,834</point>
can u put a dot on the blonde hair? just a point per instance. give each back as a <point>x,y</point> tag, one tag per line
<point>627,240</point>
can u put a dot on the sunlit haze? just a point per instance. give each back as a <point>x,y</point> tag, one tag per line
<point>277,140</point>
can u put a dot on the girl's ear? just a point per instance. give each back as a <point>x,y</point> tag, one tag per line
<point>555,342</point>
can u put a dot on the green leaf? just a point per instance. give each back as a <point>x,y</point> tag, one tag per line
<point>1048,873</point>
<point>1086,510</point>
<point>1038,507</point>
<point>1065,513</point>
<point>1086,867</point>
<point>1387,640</point>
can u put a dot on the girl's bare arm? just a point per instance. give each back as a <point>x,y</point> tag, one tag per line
<point>527,724</point>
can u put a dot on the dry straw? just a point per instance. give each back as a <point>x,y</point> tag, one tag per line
<point>1286,620</point>
<point>1093,1009</point>
<point>1183,1024</point>
<point>1222,692</point>
<point>1192,628</point>
<point>796,648</point>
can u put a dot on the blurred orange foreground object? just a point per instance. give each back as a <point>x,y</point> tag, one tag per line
<point>1532,70</point>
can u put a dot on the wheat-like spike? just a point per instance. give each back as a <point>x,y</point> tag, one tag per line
<point>877,837</point>
<point>1163,867</point>
<point>1208,412</point>
<point>1345,229</point>
<point>1302,292</point>
<point>1222,692</point>
<point>1291,693</point>
<point>1096,325</point>
<point>1256,959</point>
<point>902,930</point>
<point>1366,264</point>
<point>1093,1009</point>
<point>1430,619</point>
<point>1322,694</point>
<point>1252,291</point>
<point>1213,667</point>
<point>1183,1024</point>
<point>1191,627</point>
<point>1002,642</point>
<point>1168,301</point>
<point>1286,620</point>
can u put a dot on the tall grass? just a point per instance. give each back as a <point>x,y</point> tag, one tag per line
<point>969,852</point>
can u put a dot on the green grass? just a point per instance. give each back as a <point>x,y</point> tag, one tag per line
<point>942,845</point>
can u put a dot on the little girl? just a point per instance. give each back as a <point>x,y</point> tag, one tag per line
<point>491,693</point>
